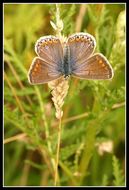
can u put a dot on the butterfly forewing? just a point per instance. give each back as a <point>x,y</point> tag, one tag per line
<point>49,48</point>
<point>81,46</point>
<point>42,72</point>
<point>95,67</point>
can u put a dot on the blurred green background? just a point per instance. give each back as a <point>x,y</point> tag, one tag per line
<point>93,137</point>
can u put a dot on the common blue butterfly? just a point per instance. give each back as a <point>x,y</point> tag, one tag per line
<point>75,58</point>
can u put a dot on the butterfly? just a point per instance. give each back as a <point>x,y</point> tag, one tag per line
<point>75,57</point>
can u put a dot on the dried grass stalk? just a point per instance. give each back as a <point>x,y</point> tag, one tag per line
<point>59,89</point>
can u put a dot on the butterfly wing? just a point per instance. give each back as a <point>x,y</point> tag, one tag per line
<point>81,46</point>
<point>48,65</point>
<point>95,67</point>
<point>49,48</point>
<point>83,64</point>
<point>42,72</point>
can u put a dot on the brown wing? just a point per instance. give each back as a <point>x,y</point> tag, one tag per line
<point>42,72</point>
<point>95,67</point>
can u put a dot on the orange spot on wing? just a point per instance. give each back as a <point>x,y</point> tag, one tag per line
<point>33,73</point>
<point>103,65</point>
<point>77,38</point>
<point>100,61</point>
<point>50,41</point>
<point>82,38</point>
<point>37,65</point>
<point>43,44</point>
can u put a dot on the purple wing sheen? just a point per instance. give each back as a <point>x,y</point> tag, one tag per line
<point>49,48</point>
<point>42,72</point>
<point>95,67</point>
<point>81,47</point>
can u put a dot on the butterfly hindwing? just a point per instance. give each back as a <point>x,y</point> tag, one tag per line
<point>42,72</point>
<point>95,67</point>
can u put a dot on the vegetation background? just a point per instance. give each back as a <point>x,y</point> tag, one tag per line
<point>92,151</point>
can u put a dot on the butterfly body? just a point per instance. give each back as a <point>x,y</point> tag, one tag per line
<point>66,67</point>
<point>75,57</point>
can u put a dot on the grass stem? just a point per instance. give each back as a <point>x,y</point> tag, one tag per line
<point>56,182</point>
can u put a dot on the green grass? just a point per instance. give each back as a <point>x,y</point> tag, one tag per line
<point>94,111</point>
